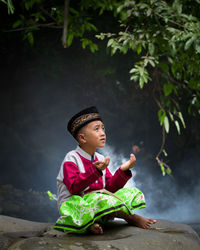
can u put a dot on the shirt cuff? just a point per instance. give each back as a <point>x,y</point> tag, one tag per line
<point>125,174</point>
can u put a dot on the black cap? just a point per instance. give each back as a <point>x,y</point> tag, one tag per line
<point>82,118</point>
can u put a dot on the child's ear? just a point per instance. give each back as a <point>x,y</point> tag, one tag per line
<point>81,138</point>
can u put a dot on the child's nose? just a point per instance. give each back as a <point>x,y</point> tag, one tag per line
<point>102,131</point>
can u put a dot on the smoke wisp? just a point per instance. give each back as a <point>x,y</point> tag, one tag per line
<point>165,198</point>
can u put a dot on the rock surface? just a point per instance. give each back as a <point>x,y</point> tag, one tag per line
<point>18,234</point>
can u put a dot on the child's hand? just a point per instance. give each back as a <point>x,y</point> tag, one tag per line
<point>101,165</point>
<point>128,164</point>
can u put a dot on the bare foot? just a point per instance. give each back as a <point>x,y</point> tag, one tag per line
<point>96,229</point>
<point>134,220</point>
<point>139,221</point>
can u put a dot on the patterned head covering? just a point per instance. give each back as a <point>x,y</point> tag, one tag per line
<point>82,118</point>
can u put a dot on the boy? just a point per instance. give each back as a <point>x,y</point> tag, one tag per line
<point>86,186</point>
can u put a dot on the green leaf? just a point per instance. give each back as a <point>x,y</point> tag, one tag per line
<point>29,4</point>
<point>164,152</point>
<point>93,47</point>
<point>110,42</point>
<point>151,49</point>
<point>101,36</point>
<point>90,26</point>
<point>161,116</point>
<point>30,38</point>
<point>51,196</point>
<point>166,124</point>
<point>168,170</point>
<point>152,63</point>
<point>73,11</point>
<point>86,42</point>
<point>141,82</point>
<point>139,48</point>
<point>162,168</point>
<point>190,41</point>
<point>167,87</point>
<point>149,11</point>
<point>177,126</point>
<point>181,118</point>
<point>133,70</point>
<point>134,78</point>
<point>170,60</point>
<point>141,71</point>
<point>178,6</point>
<point>173,69</point>
<point>70,38</point>
<point>145,79</point>
<point>17,24</point>
<point>197,48</point>
<point>171,116</point>
<point>11,8</point>
<point>163,66</point>
<point>113,51</point>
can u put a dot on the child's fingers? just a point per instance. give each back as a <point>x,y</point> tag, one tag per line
<point>132,157</point>
<point>97,163</point>
<point>101,164</point>
<point>107,161</point>
<point>132,160</point>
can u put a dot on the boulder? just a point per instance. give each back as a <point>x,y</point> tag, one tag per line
<point>18,234</point>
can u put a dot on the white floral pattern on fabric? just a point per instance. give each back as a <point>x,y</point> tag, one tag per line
<point>79,213</point>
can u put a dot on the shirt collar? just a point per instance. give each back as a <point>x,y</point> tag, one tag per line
<point>84,154</point>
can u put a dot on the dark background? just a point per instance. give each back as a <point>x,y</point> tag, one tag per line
<point>44,85</point>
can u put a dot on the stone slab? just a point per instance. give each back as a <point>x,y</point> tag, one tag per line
<point>164,235</point>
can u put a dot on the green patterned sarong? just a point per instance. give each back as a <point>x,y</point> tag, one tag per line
<point>80,212</point>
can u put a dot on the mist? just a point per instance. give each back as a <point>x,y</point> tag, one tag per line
<point>165,198</point>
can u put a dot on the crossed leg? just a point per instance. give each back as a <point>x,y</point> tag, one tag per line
<point>134,219</point>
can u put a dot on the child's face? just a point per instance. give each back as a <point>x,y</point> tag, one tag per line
<point>94,134</point>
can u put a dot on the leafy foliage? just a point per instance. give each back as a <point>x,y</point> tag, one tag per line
<point>32,15</point>
<point>167,39</point>
<point>164,37</point>
<point>10,6</point>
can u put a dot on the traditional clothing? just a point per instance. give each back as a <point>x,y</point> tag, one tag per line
<point>87,194</point>
<point>79,205</point>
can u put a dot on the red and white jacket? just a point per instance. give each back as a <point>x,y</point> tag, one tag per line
<point>79,176</point>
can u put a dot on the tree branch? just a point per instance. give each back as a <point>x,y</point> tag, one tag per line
<point>160,161</point>
<point>47,25</point>
<point>163,143</point>
<point>65,23</point>
<point>171,21</point>
<point>48,14</point>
